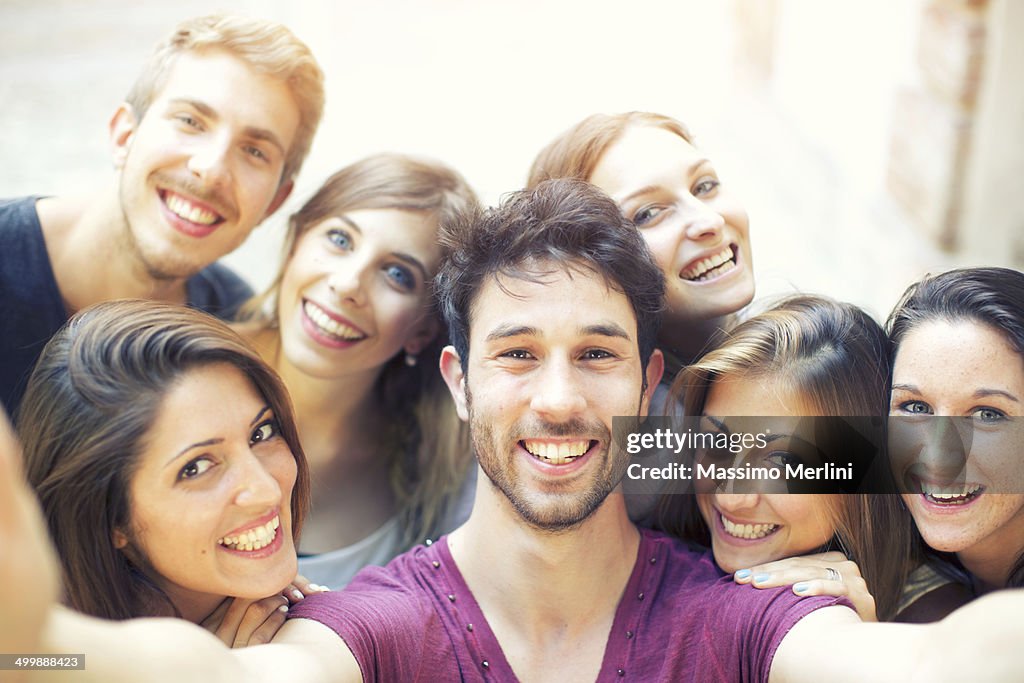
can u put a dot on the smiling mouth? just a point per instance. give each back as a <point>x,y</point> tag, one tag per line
<point>328,326</point>
<point>951,495</point>
<point>711,267</point>
<point>747,531</point>
<point>556,452</point>
<point>187,210</point>
<point>253,539</point>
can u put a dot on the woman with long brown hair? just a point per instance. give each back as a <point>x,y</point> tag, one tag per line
<point>349,325</point>
<point>167,462</point>
<point>806,356</point>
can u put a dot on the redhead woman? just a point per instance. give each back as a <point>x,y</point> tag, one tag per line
<point>168,466</point>
<point>696,228</point>
<point>350,327</point>
<point>807,356</point>
<point>959,353</point>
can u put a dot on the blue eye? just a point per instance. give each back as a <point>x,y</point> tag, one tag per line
<point>340,239</point>
<point>400,276</point>
<point>705,187</point>
<point>646,215</point>
<point>916,408</point>
<point>988,415</point>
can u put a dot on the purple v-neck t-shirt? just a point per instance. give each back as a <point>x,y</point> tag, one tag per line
<point>679,619</point>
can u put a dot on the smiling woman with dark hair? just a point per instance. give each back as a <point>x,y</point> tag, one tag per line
<point>958,339</point>
<point>166,459</point>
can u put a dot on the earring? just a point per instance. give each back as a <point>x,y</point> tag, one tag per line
<point>410,359</point>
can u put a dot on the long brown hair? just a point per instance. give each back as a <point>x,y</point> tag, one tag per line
<point>836,357</point>
<point>90,404</point>
<point>427,443</point>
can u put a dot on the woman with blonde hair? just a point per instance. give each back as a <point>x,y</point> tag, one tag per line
<point>806,356</point>
<point>350,326</point>
<point>697,230</point>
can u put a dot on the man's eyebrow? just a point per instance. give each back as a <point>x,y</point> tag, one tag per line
<point>253,132</point>
<point>510,330</point>
<point>605,330</point>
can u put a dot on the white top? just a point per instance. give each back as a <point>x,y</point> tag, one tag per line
<point>336,568</point>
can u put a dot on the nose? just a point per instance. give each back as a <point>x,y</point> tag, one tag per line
<point>256,486</point>
<point>701,221</point>
<point>558,395</point>
<point>347,284</point>
<point>944,449</point>
<point>209,160</point>
<point>734,502</point>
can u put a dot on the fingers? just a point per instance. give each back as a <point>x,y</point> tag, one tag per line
<point>792,569</point>
<point>855,589</point>
<point>261,621</point>
<point>301,587</point>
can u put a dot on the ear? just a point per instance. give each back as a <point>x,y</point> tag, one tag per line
<point>119,539</point>
<point>451,370</point>
<point>655,369</point>
<point>122,130</point>
<point>283,192</point>
<point>424,332</point>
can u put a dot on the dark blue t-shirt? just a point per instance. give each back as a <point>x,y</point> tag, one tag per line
<point>31,307</point>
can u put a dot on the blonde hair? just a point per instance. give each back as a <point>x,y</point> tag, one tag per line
<point>835,356</point>
<point>267,47</point>
<point>576,152</point>
<point>428,443</point>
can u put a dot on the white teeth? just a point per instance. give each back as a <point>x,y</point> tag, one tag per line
<point>748,531</point>
<point>189,211</point>
<point>947,495</point>
<point>329,325</point>
<point>710,267</point>
<point>556,452</point>
<point>253,539</point>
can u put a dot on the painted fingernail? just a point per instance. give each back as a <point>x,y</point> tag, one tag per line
<point>323,589</point>
<point>761,578</point>
<point>743,573</point>
<point>314,586</point>
<point>801,587</point>
<point>297,594</point>
<point>282,608</point>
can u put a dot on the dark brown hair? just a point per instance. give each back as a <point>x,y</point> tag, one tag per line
<point>91,401</point>
<point>989,296</point>
<point>567,223</point>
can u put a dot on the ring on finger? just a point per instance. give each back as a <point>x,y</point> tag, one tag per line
<point>833,574</point>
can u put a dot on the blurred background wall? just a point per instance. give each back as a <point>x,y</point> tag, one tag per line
<point>872,142</point>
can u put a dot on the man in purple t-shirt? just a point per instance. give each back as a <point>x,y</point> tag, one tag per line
<point>552,302</point>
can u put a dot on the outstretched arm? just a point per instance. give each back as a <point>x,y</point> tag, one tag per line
<point>32,622</point>
<point>980,641</point>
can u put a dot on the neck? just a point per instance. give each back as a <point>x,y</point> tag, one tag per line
<point>194,607</point>
<point>688,340</point>
<point>86,240</point>
<point>339,425</point>
<point>540,580</point>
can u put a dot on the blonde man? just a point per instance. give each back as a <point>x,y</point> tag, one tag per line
<point>205,147</point>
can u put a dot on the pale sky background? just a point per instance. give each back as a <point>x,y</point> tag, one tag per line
<point>483,85</point>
